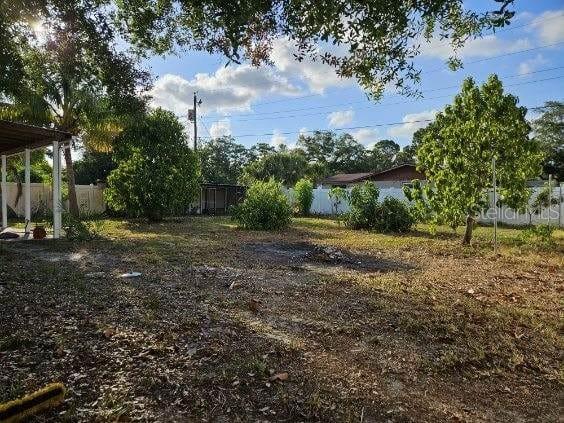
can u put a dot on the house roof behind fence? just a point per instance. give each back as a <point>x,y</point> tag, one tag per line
<point>347,178</point>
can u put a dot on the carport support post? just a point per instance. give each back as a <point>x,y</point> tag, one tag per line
<point>4,194</point>
<point>27,192</point>
<point>56,190</point>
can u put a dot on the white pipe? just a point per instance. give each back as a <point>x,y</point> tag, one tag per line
<point>4,194</point>
<point>27,191</point>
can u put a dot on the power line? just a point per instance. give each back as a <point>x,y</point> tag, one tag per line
<point>350,128</point>
<point>437,69</point>
<point>206,127</point>
<point>499,55</point>
<point>510,28</point>
<point>334,129</point>
<point>374,106</point>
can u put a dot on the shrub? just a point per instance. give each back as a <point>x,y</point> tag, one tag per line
<point>303,192</point>
<point>539,236</point>
<point>82,229</point>
<point>337,195</point>
<point>157,173</point>
<point>393,215</point>
<point>363,205</point>
<point>265,207</point>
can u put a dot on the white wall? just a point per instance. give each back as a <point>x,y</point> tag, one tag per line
<point>322,205</point>
<point>90,198</point>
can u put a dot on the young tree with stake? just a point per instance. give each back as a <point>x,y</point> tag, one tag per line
<point>457,149</point>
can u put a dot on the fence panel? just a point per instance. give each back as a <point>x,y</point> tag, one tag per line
<point>90,198</point>
<point>323,205</point>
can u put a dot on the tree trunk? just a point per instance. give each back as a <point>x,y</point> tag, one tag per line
<point>469,227</point>
<point>73,202</point>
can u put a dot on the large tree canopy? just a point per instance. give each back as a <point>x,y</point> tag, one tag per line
<point>223,160</point>
<point>549,131</point>
<point>72,76</point>
<point>376,41</point>
<point>457,149</point>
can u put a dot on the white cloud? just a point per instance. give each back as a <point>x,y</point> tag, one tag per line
<point>317,75</point>
<point>220,128</point>
<point>531,65</point>
<point>366,136</point>
<point>340,118</point>
<point>413,122</point>
<point>550,26</point>
<point>232,88</point>
<point>304,131</point>
<point>487,46</point>
<point>278,139</point>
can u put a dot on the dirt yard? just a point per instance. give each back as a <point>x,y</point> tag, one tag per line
<point>316,323</point>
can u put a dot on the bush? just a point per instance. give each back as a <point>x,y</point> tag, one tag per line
<point>157,173</point>
<point>363,205</point>
<point>86,228</point>
<point>265,207</point>
<point>303,192</point>
<point>539,236</point>
<point>393,215</point>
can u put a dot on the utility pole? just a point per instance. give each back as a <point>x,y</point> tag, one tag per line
<point>195,122</point>
<point>193,117</point>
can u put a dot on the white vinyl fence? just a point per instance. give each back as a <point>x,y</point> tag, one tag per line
<point>90,198</point>
<point>323,205</point>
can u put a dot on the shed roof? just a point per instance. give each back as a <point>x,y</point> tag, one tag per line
<point>16,137</point>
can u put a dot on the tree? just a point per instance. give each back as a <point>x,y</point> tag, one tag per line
<point>338,195</point>
<point>94,166</point>
<point>286,167</point>
<point>378,39</point>
<point>409,153</point>
<point>406,155</point>
<point>333,153</point>
<point>383,155</point>
<point>457,151</point>
<point>363,202</point>
<point>223,160</point>
<point>548,130</point>
<point>303,192</point>
<point>348,155</point>
<point>66,72</point>
<point>157,174</point>
<point>259,150</point>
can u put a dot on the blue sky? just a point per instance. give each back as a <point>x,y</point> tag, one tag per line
<point>274,103</point>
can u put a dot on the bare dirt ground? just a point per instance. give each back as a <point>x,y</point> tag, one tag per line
<point>316,323</point>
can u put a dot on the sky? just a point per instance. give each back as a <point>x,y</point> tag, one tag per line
<point>274,104</point>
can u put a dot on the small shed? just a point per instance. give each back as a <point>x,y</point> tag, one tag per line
<point>20,138</point>
<point>218,198</point>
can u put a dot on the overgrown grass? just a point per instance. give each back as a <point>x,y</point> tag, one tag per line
<point>211,320</point>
